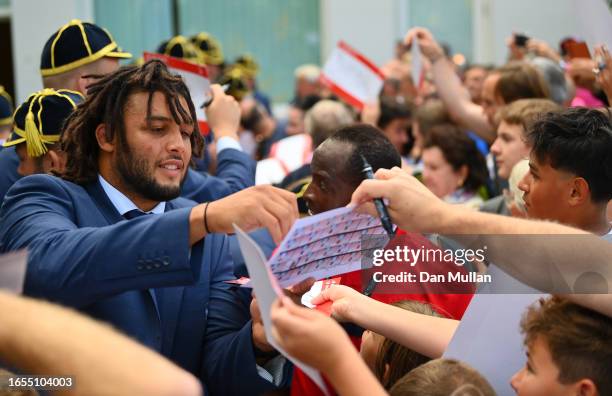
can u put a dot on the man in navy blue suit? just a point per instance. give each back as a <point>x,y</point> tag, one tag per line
<point>8,158</point>
<point>112,239</point>
<point>67,64</point>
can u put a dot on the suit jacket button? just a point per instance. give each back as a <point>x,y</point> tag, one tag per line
<point>166,261</point>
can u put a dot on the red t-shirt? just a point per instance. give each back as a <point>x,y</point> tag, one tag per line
<point>448,305</point>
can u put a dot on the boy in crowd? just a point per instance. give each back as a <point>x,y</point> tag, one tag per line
<point>510,145</point>
<point>569,351</point>
<point>570,176</point>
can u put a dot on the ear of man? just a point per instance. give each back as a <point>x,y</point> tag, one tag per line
<point>54,161</point>
<point>106,145</point>
<point>580,192</point>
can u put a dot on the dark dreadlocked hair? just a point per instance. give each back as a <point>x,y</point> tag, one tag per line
<point>105,104</point>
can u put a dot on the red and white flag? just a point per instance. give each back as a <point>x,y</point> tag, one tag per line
<point>352,76</point>
<point>196,79</point>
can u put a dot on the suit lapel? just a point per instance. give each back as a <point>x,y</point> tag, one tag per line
<point>105,205</point>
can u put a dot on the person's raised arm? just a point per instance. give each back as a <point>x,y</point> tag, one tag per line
<point>260,206</point>
<point>233,166</point>
<point>572,251</point>
<point>455,96</point>
<point>45,339</point>
<point>604,74</point>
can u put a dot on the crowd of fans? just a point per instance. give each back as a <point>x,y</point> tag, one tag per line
<point>126,211</point>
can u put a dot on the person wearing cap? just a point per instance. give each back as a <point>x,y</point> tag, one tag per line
<point>6,114</point>
<point>180,47</point>
<point>78,54</point>
<point>211,54</point>
<point>250,67</point>
<point>75,56</point>
<point>37,128</point>
<point>113,239</point>
<point>8,158</point>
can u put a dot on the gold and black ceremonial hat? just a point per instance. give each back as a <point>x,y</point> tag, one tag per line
<point>236,79</point>
<point>210,48</point>
<point>76,44</point>
<point>180,47</point>
<point>247,63</point>
<point>39,120</point>
<point>6,108</point>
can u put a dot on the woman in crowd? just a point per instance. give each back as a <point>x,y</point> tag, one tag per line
<point>454,169</point>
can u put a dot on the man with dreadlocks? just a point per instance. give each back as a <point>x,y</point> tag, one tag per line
<point>111,238</point>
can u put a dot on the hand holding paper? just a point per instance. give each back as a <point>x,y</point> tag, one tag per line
<point>319,341</point>
<point>344,303</point>
<point>426,43</point>
<point>223,113</point>
<point>267,290</point>
<point>315,290</point>
<point>309,335</point>
<point>294,293</point>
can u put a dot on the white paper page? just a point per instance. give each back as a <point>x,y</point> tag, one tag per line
<point>13,268</point>
<point>267,289</point>
<point>325,245</point>
<point>417,62</point>
<point>492,323</point>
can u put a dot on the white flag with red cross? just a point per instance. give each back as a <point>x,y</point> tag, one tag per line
<point>352,76</point>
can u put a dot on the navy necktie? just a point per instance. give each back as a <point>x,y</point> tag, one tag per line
<point>134,213</point>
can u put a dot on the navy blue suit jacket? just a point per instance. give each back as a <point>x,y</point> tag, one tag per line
<point>235,172</point>
<point>9,162</point>
<point>138,275</point>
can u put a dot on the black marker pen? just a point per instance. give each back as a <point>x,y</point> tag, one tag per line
<point>381,208</point>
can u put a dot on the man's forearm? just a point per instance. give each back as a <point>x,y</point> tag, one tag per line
<point>544,255</point>
<point>45,339</point>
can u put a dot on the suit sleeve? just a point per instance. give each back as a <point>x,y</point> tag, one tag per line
<point>229,366</point>
<point>236,168</point>
<point>79,265</point>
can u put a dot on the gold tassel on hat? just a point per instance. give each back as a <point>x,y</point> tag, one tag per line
<point>34,142</point>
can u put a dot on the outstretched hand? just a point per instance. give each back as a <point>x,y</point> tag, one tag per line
<point>411,205</point>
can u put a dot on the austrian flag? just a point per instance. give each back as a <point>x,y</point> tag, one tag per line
<point>352,76</point>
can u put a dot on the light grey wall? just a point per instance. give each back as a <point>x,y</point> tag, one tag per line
<point>33,22</point>
<point>368,26</point>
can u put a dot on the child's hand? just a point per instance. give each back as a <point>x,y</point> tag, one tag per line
<point>347,303</point>
<point>310,336</point>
